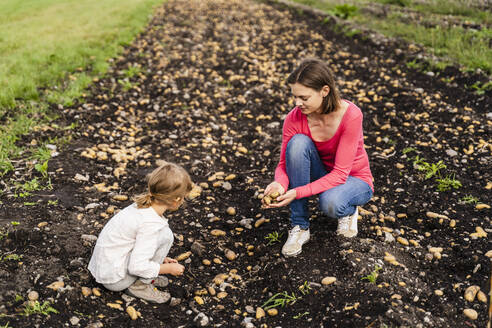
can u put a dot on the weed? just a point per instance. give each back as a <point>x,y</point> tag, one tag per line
<point>431,169</point>
<point>414,65</point>
<point>3,234</point>
<point>18,298</point>
<point>481,88</point>
<point>279,299</point>
<point>469,199</point>
<point>447,183</point>
<point>11,257</point>
<point>6,325</point>
<point>408,150</point>
<point>32,185</point>
<point>300,315</point>
<point>14,223</point>
<point>127,85</point>
<point>273,237</point>
<point>132,71</point>
<point>305,288</point>
<point>42,154</point>
<point>373,276</point>
<point>53,202</point>
<point>29,203</point>
<point>42,168</point>
<point>345,11</point>
<point>37,308</point>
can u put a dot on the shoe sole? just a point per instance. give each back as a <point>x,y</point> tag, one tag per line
<point>348,234</point>
<point>152,301</point>
<point>296,253</point>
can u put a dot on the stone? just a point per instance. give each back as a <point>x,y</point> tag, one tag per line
<point>197,248</point>
<point>201,320</point>
<point>227,186</point>
<point>33,295</point>
<point>328,280</point>
<point>89,238</point>
<point>74,320</point>
<point>174,301</point>
<point>451,152</point>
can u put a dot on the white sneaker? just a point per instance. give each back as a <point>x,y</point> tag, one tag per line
<point>297,238</point>
<point>347,226</point>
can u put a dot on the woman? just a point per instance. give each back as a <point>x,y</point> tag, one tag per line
<point>322,153</point>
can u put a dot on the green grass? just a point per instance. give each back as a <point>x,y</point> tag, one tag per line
<point>467,47</point>
<point>57,46</point>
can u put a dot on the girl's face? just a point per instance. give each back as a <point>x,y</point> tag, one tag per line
<point>308,100</point>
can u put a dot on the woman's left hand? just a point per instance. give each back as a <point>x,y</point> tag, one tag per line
<point>169,260</point>
<point>285,199</point>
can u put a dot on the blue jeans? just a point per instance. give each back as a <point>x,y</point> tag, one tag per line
<point>303,166</point>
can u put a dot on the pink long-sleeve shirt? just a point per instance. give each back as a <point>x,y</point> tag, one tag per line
<point>343,154</point>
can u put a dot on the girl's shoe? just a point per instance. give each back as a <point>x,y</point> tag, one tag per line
<point>160,281</point>
<point>147,292</point>
<point>347,226</point>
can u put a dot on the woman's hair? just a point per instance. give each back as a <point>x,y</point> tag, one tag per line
<point>315,74</point>
<point>166,183</point>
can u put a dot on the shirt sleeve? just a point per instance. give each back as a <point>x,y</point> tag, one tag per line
<point>289,129</point>
<point>146,244</point>
<point>344,159</point>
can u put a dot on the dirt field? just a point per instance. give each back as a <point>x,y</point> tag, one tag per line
<point>204,86</point>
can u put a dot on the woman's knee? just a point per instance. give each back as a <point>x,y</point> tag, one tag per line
<point>333,207</point>
<point>298,144</point>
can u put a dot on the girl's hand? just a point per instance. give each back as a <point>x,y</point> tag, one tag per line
<point>175,269</point>
<point>285,199</point>
<point>169,260</point>
<point>273,187</point>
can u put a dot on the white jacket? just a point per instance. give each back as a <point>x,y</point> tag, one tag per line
<point>127,244</point>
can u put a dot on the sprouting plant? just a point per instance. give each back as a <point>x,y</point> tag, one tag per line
<point>3,234</point>
<point>6,325</point>
<point>305,288</point>
<point>413,64</point>
<point>345,11</point>
<point>11,257</point>
<point>53,202</point>
<point>300,315</point>
<point>42,168</point>
<point>469,199</point>
<point>447,183</point>
<point>42,154</point>
<point>481,88</point>
<point>273,237</point>
<point>32,185</point>
<point>127,85</point>
<point>132,71</point>
<point>418,162</point>
<point>14,223</point>
<point>279,299</point>
<point>37,308</point>
<point>18,298</point>
<point>431,170</point>
<point>408,150</point>
<point>29,203</point>
<point>373,276</point>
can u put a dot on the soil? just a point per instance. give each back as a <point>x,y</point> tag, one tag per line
<point>204,86</point>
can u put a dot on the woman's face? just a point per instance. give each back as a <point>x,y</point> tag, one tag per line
<point>308,100</point>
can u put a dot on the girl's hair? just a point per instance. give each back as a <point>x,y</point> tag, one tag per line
<point>315,74</point>
<point>165,184</point>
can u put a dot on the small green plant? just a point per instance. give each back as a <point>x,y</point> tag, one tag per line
<point>42,154</point>
<point>414,65</point>
<point>300,315</point>
<point>481,88</point>
<point>42,168</point>
<point>53,202</point>
<point>431,170</point>
<point>32,185</point>
<point>14,223</point>
<point>273,237</point>
<point>408,150</point>
<point>37,308</point>
<point>279,299</point>
<point>126,85</point>
<point>132,71</point>
<point>373,276</point>
<point>448,183</point>
<point>29,203</point>
<point>18,298</point>
<point>11,257</point>
<point>6,325</point>
<point>345,11</point>
<point>469,199</point>
<point>3,234</point>
<point>305,288</point>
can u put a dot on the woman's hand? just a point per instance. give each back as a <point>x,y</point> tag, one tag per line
<point>169,260</point>
<point>272,187</point>
<point>285,199</point>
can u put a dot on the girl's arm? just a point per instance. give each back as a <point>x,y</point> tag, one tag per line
<point>146,242</point>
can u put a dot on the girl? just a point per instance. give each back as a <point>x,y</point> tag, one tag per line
<point>322,153</point>
<point>131,250</point>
